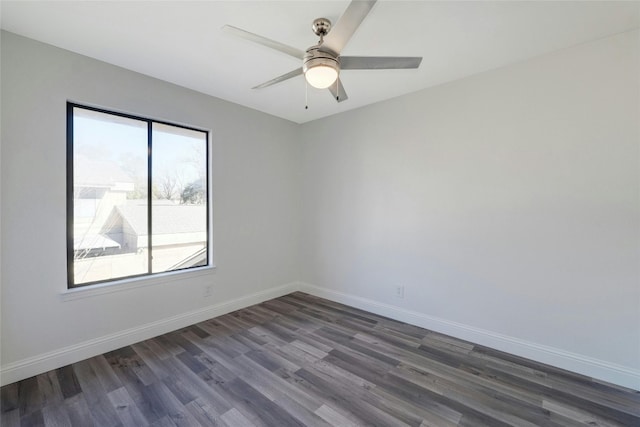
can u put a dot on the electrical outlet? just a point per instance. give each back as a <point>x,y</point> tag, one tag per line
<point>400,291</point>
<point>208,291</point>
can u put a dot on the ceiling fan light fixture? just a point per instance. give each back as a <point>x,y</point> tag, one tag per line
<point>320,68</point>
<point>322,63</point>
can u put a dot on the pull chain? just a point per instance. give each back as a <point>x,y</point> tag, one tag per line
<point>306,96</point>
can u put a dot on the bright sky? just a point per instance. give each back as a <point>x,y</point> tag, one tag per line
<point>176,150</point>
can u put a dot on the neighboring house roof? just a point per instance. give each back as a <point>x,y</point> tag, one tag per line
<point>168,217</point>
<point>98,173</point>
<point>197,259</point>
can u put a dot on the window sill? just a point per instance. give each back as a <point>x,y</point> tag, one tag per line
<point>133,283</point>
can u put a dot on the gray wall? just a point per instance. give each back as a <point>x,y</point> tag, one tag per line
<point>507,204</point>
<point>255,191</point>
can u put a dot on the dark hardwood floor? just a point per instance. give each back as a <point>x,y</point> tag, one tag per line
<point>301,360</point>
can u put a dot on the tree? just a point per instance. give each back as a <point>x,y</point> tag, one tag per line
<point>167,187</point>
<point>193,193</point>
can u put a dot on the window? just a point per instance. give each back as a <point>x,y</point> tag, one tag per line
<point>137,196</point>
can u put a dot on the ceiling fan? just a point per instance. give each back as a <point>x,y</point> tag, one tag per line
<point>322,63</point>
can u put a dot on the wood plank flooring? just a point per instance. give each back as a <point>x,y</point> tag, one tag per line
<point>300,360</point>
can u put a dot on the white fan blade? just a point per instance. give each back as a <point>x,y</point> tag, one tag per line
<point>297,53</point>
<point>337,90</point>
<point>379,62</point>
<point>281,78</point>
<point>341,33</point>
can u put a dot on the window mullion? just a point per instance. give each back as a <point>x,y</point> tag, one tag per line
<point>149,195</point>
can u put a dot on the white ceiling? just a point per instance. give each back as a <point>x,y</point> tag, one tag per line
<point>182,42</point>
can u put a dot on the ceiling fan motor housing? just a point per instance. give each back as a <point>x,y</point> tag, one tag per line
<point>314,57</point>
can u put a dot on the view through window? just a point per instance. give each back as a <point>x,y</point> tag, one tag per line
<point>137,196</point>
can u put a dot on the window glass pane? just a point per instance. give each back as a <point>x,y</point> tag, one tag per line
<point>118,223</point>
<point>179,205</point>
<point>109,196</point>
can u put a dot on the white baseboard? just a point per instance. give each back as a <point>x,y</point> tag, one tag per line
<point>29,367</point>
<point>599,369</point>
